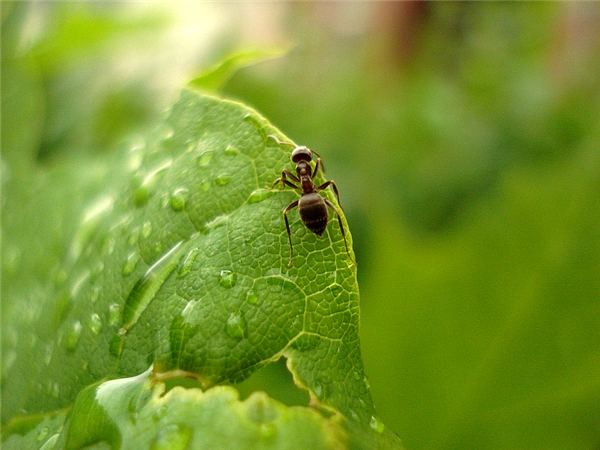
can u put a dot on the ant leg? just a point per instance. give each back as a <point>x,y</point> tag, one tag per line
<point>286,182</point>
<point>283,179</point>
<point>319,164</point>
<point>333,186</point>
<point>316,169</point>
<point>342,229</point>
<point>290,175</point>
<point>287,227</point>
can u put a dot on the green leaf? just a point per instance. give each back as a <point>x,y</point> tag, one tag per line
<point>174,254</point>
<point>216,76</point>
<point>137,413</point>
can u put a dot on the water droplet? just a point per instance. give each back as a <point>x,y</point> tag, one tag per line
<point>366,381</point>
<point>141,195</point>
<point>222,180</point>
<point>42,434</point>
<point>318,390</point>
<point>146,229</point>
<point>205,186</point>
<point>230,150</point>
<point>172,437</point>
<point>252,297</point>
<point>187,310</point>
<point>73,335</point>
<point>178,199</point>
<point>376,424</point>
<point>259,195</point>
<point>354,415</point>
<point>134,236</point>
<point>131,262</point>
<point>147,286</point>
<point>187,262</point>
<point>134,162</point>
<point>95,323</point>
<point>50,444</point>
<point>114,314</point>
<point>217,222</point>
<point>227,278</point>
<point>235,327</point>
<point>204,159</point>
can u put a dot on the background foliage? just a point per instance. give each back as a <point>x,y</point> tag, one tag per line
<point>465,140</point>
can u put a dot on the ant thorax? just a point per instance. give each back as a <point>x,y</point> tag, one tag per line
<point>303,169</point>
<point>304,172</point>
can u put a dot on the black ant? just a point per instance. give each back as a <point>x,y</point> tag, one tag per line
<point>312,207</point>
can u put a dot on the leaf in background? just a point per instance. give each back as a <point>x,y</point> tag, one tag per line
<point>174,254</point>
<point>213,78</point>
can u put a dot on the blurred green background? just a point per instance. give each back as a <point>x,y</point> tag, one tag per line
<point>465,138</point>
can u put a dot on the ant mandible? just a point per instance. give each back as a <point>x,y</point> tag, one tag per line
<point>312,207</point>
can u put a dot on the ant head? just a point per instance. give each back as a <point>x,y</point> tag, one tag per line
<point>301,154</point>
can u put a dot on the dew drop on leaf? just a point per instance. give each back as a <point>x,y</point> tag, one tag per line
<point>235,327</point>
<point>95,323</point>
<point>130,263</point>
<point>376,424</point>
<point>204,159</point>
<point>187,262</point>
<point>259,195</point>
<point>227,278</point>
<point>114,314</point>
<point>73,335</point>
<point>146,229</point>
<point>187,310</point>
<point>318,390</point>
<point>230,150</point>
<point>141,195</point>
<point>178,199</point>
<point>222,180</point>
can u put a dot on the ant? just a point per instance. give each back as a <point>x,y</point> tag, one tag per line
<point>312,207</point>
